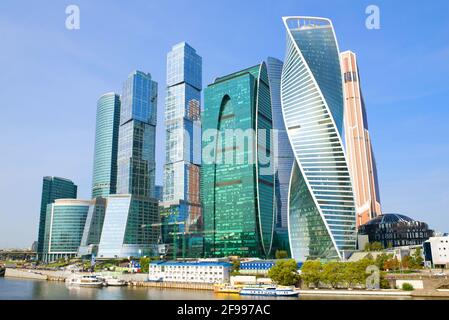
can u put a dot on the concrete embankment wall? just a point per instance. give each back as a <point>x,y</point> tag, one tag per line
<point>175,285</point>
<point>24,274</point>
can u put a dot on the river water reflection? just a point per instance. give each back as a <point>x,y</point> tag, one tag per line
<point>22,289</point>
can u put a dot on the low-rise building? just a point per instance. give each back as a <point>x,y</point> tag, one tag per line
<point>260,267</point>
<point>191,272</point>
<point>436,252</point>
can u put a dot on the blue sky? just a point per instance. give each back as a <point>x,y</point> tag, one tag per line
<point>51,78</point>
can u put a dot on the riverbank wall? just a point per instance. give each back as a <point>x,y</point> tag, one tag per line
<point>175,285</point>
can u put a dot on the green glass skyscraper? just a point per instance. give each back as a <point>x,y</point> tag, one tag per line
<point>52,188</point>
<point>237,178</point>
<point>104,180</point>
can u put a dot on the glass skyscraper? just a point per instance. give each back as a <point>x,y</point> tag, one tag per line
<point>106,144</point>
<point>93,227</point>
<point>137,133</point>
<point>321,218</point>
<point>237,180</point>
<point>65,220</point>
<point>52,188</point>
<point>282,154</point>
<point>362,164</point>
<point>181,215</point>
<point>128,228</point>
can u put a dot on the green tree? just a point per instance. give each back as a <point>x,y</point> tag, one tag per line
<point>417,261</point>
<point>285,272</point>
<point>351,274</point>
<point>144,264</point>
<point>333,273</point>
<point>281,254</point>
<point>235,267</point>
<point>311,272</point>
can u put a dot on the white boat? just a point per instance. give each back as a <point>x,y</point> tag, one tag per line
<point>269,291</point>
<point>87,281</point>
<point>114,281</point>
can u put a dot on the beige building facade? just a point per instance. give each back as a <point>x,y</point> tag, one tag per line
<point>362,165</point>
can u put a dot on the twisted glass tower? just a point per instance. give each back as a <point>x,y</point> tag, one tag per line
<point>321,217</point>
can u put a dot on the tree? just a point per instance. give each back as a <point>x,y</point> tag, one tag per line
<point>417,260</point>
<point>281,254</point>
<point>333,273</point>
<point>144,264</point>
<point>381,259</point>
<point>311,272</point>
<point>391,264</point>
<point>406,262</point>
<point>284,272</point>
<point>235,267</point>
<point>351,274</point>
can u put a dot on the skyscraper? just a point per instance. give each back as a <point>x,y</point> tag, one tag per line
<point>106,144</point>
<point>137,133</point>
<point>181,207</point>
<point>282,153</point>
<point>128,228</point>
<point>362,165</point>
<point>64,228</point>
<point>93,227</point>
<point>321,219</point>
<point>237,177</point>
<point>52,188</point>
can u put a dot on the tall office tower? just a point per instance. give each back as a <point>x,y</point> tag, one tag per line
<point>128,228</point>
<point>182,222</point>
<point>64,228</point>
<point>322,218</point>
<point>137,136</point>
<point>237,174</point>
<point>52,188</point>
<point>106,144</point>
<point>282,154</point>
<point>93,227</point>
<point>359,150</point>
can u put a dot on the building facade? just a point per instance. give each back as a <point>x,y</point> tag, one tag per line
<point>359,150</point>
<point>93,227</point>
<point>321,218</point>
<point>181,213</point>
<point>282,155</point>
<point>128,228</point>
<point>104,180</point>
<point>64,228</point>
<point>436,252</point>
<point>395,230</point>
<point>53,188</point>
<point>137,136</point>
<point>190,272</point>
<point>237,177</point>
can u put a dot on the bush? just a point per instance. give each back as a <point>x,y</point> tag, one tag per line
<point>407,287</point>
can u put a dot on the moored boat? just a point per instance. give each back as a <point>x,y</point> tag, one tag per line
<point>269,291</point>
<point>226,289</point>
<point>87,281</point>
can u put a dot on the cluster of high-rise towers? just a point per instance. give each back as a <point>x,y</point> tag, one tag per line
<point>278,157</point>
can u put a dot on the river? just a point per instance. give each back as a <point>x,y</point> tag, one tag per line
<point>24,289</point>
